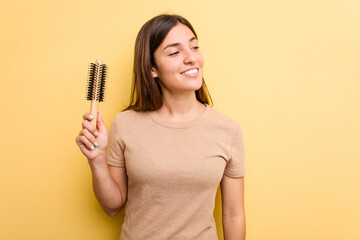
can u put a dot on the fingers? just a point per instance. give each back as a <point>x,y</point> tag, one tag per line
<point>87,125</point>
<point>88,116</point>
<point>87,135</point>
<point>100,123</point>
<point>84,140</point>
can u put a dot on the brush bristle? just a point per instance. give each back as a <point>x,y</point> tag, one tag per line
<point>96,82</point>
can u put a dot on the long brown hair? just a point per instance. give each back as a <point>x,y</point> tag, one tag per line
<point>146,92</point>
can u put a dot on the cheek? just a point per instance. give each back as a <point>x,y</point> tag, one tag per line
<point>170,67</point>
<point>201,59</point>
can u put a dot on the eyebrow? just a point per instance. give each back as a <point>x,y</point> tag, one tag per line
<point>177,44</point>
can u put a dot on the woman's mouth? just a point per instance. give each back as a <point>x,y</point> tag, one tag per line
<point>191,72</point>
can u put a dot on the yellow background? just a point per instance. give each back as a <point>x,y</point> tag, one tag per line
<point>287,71</point>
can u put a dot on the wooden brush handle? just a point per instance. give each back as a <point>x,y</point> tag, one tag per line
<point>93,111</point>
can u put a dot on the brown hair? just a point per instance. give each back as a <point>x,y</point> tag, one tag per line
<point>146,92</point>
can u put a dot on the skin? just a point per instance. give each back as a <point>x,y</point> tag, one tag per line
<point>109,183</point>
<point>179,104</point>
<point>179,99</point>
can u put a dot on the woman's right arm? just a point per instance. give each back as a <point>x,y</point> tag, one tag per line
<point>109,183</point>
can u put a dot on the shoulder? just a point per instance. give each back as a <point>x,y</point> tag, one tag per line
<point>129,116</point>
<point>223,121</point>
<point>127,119</point>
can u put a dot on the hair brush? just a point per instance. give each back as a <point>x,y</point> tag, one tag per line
<point>95,91</point>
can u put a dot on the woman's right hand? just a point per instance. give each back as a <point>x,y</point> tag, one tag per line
<point>91,141</point>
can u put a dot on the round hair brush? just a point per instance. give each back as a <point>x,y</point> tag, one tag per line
<point>95,91</point>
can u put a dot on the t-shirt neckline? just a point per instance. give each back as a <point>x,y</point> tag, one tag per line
<point>184,124</point>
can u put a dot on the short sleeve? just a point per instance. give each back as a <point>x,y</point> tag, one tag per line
<point>235,166</point>
<point>115,152</point>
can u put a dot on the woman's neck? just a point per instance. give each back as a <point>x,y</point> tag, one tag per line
<point>179,108</point>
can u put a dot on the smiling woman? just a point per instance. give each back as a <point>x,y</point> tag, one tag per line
<point>168,39</point>
<point>179,65</point>
<point>169,150</point>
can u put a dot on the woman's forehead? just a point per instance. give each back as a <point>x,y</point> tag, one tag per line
<point>179,34</point>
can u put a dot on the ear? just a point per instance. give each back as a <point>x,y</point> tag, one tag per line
<point>154,72</point>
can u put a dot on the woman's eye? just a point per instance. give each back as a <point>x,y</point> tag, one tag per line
<point>196,47</point>
<point>174,53</point>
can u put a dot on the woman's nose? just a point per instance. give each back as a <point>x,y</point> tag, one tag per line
<point>189,56</point>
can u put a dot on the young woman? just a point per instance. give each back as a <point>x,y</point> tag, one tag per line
<point>169,150</point>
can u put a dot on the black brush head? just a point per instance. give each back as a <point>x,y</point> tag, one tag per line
<point>96,82</point>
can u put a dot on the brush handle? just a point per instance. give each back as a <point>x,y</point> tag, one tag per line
<point>93,111</point>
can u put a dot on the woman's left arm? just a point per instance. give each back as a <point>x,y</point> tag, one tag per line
<point>233,212</point>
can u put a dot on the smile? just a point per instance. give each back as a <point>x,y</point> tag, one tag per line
<point>190,72</point>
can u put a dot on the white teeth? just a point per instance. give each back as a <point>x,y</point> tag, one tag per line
<point>190,71</point>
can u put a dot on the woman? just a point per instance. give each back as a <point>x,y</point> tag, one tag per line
<point>169,150</point>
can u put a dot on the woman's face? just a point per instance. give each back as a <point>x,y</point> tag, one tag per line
<point>179,61</point>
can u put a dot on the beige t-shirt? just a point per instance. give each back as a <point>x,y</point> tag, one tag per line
<point>174,170</point>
